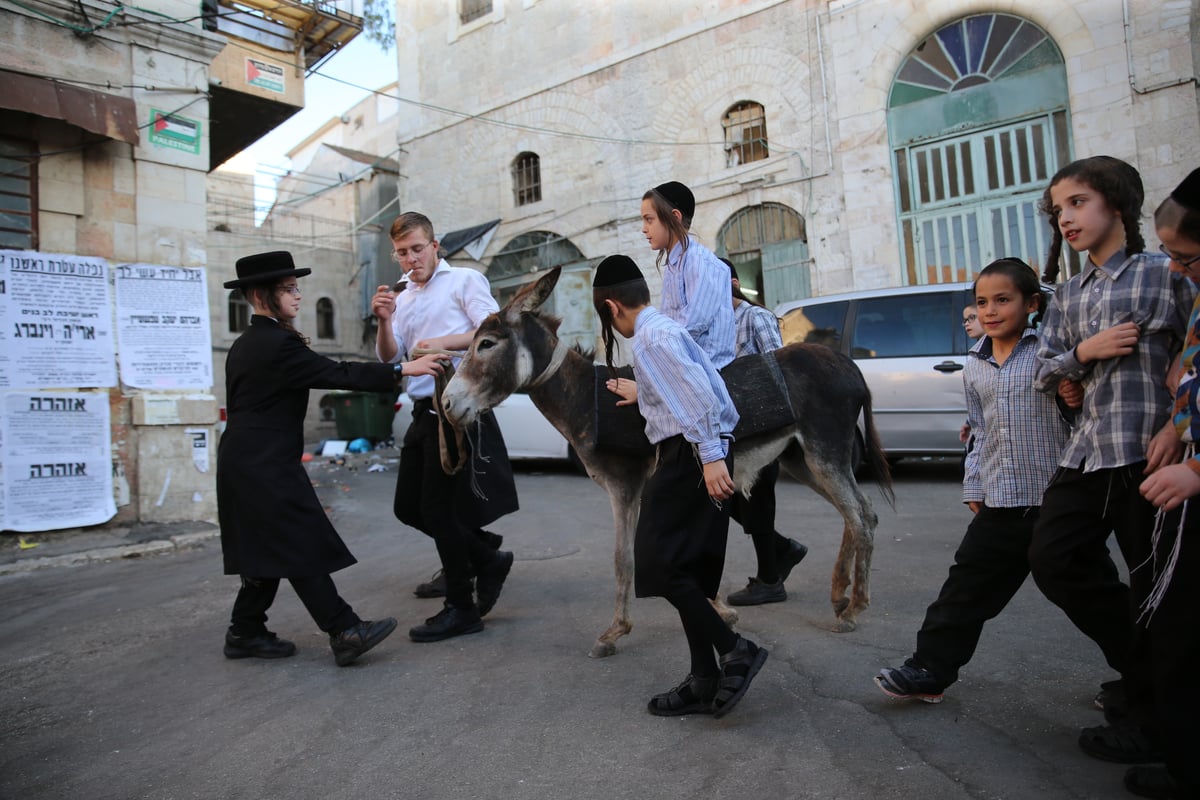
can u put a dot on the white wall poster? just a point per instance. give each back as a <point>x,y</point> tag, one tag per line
<point>163,329</point>
<point>55,321</point>
<point>55,448</point>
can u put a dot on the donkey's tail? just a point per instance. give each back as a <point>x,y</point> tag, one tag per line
<point>876,461</point>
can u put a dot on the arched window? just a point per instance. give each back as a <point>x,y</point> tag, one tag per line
<point>745,126</point>
<point>534,252</point>
<point>239,312</point>
<point>977,120</point>
<point>527,179</point>
<point>769,246</point>
<point>325,318</point>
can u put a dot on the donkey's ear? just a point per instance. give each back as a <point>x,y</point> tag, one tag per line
<point>531,297</point>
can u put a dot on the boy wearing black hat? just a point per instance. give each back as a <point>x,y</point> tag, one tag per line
<point>272,524</point>
<point>679,546</point>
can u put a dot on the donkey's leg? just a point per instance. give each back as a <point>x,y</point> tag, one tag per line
<point>834,480</point>
<point>625,516</point>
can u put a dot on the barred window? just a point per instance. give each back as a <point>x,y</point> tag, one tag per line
<point>527,179</point>
<point>325,318</point>
<point>18,195</point>
<point>470,10</point>
<point>745,126</point>
<point>239,312</point>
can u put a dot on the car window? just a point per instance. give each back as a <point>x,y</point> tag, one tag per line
<point>903,325</point>
<point>818,323</point>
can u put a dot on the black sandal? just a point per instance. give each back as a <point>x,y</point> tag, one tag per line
<point>693,696</point>
<point>1123,744</point>
<point>738,668</point>
<point>1151,782</point>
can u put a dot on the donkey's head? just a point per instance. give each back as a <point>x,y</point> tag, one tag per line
<point>514,349</point>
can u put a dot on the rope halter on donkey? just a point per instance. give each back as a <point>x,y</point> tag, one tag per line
<point>454,458</point>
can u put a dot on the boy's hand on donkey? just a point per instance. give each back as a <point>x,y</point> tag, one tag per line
<point>717,480</point>
<point>623,388</point>
<point>1119,340</point>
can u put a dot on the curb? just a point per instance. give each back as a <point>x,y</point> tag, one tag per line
<point>183,541</point>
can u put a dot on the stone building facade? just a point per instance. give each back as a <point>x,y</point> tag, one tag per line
<point>832,145</point>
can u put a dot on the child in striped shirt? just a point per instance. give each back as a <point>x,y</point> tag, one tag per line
<point>1018,434</point>
<point>679,546</point>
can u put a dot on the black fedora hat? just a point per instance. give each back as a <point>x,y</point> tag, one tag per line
<point>265,267</point>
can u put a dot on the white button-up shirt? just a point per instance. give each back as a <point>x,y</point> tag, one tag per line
<point>454,300</point>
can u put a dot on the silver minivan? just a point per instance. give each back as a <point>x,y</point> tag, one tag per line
<point>910,344</point>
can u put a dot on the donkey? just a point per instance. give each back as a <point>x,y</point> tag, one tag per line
<point>518,349</point>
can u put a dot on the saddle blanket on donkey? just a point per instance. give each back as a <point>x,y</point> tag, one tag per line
<point>755,385</point>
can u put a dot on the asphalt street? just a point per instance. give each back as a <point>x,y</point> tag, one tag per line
<point>113,685</point>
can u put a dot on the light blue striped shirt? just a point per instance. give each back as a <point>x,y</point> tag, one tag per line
<point>1019,432</point>
<point>757,329</point>
<point>698,295</point>
<point>679,390</point>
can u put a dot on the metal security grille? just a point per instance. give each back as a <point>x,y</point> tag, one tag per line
<point>18,195</point>
<point>527,179</point>
<point>745,133</point>
<point>967,201</point>
<point>469,10</point>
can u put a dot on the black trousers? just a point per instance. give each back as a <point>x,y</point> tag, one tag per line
<point>989,567</point>
<point>679,549</point>
<point>1070,562</point>
<point>426,499</point>
<point>756,515</point>
<point>1174,648</point>
<point>317,592</point>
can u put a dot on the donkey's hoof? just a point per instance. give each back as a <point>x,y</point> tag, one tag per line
<point>602,650</point>
<point>728,615</point>
<point>844,626</point>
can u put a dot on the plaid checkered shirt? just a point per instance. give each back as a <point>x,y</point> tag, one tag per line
<point>1018,432</point>
<point>1125,400</point>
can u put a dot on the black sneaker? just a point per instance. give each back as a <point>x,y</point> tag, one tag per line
<point>491,581</point>
<point>263,645</point>
<point>910,683</point>
<point>353,642</point>
<point>434,587</point>
<point>756,593</point>
<point>1123,743</point>
<point>450,621</point>
<point>788,557</point>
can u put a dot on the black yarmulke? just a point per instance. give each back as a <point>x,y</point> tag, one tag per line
<point>615,270</point>
<point>679,196</point>
<point>1187,194</point>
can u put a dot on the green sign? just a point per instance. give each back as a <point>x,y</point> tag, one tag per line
<point>174,132</point>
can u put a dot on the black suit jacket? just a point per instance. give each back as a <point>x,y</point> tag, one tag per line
<point>272,524</point>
